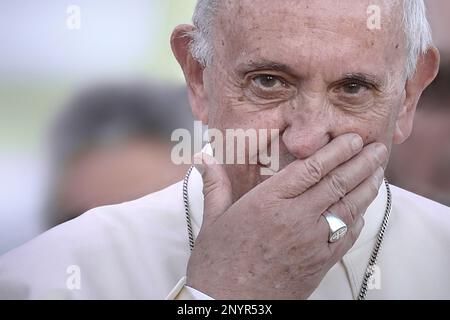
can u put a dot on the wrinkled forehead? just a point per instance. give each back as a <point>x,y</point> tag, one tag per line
<point>344,31</point>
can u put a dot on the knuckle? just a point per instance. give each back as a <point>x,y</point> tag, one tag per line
<point>337,184</point>
<point>372,160</point>
<point>314,169</point>
<point>224,184</point>
<point>350,208</point>
<point>217,185</point>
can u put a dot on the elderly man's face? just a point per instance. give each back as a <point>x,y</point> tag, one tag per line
<point>311,69</point>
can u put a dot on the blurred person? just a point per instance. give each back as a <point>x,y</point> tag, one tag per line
<point>422,164</point>
<point>112,144</point>
<point>326,225</point>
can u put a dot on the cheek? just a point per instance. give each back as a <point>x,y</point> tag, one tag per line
<point>375,125</point>
<point>233,110</point>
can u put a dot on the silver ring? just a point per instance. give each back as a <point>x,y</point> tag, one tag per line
<point>338,228</point>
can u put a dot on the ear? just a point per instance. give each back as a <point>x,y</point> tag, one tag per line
<point>193,71</point>
<point>426,72</point>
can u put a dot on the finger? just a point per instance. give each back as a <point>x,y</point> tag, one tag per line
<point>216,187</point>
<point>356,202</point>
<point>345,178</point>
<point>300,175</point>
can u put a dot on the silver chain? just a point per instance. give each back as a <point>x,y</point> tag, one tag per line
<point>186,208</point>
<point>373,258</point>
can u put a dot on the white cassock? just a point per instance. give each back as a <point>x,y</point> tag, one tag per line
<point>140,250</point>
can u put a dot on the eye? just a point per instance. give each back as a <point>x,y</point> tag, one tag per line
<point>269,86</point>
<point>268,81</point>
<point>353,88</point>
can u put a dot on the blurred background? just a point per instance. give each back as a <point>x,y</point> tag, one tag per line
<point>90,92</point>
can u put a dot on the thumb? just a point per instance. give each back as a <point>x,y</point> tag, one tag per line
<point>216,186</point>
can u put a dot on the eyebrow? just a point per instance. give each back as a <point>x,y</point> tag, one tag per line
<point>244,68</point>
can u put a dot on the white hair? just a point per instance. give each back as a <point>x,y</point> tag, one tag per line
<point>415,24</point>
<point>418,33</point>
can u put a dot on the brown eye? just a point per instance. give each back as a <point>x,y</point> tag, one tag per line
<point>353,88</point>
<point>268,81</point>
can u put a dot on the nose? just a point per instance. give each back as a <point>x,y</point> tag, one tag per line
<point>306,131</point>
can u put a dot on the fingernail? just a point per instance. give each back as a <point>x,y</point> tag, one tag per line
<point>357,142</point>
<point>381,152</point>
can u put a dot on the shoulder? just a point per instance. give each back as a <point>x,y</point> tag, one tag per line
<point>114,247</point>
<point>415,259</point>
<point>419,221</point>
<point>418,209</point>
